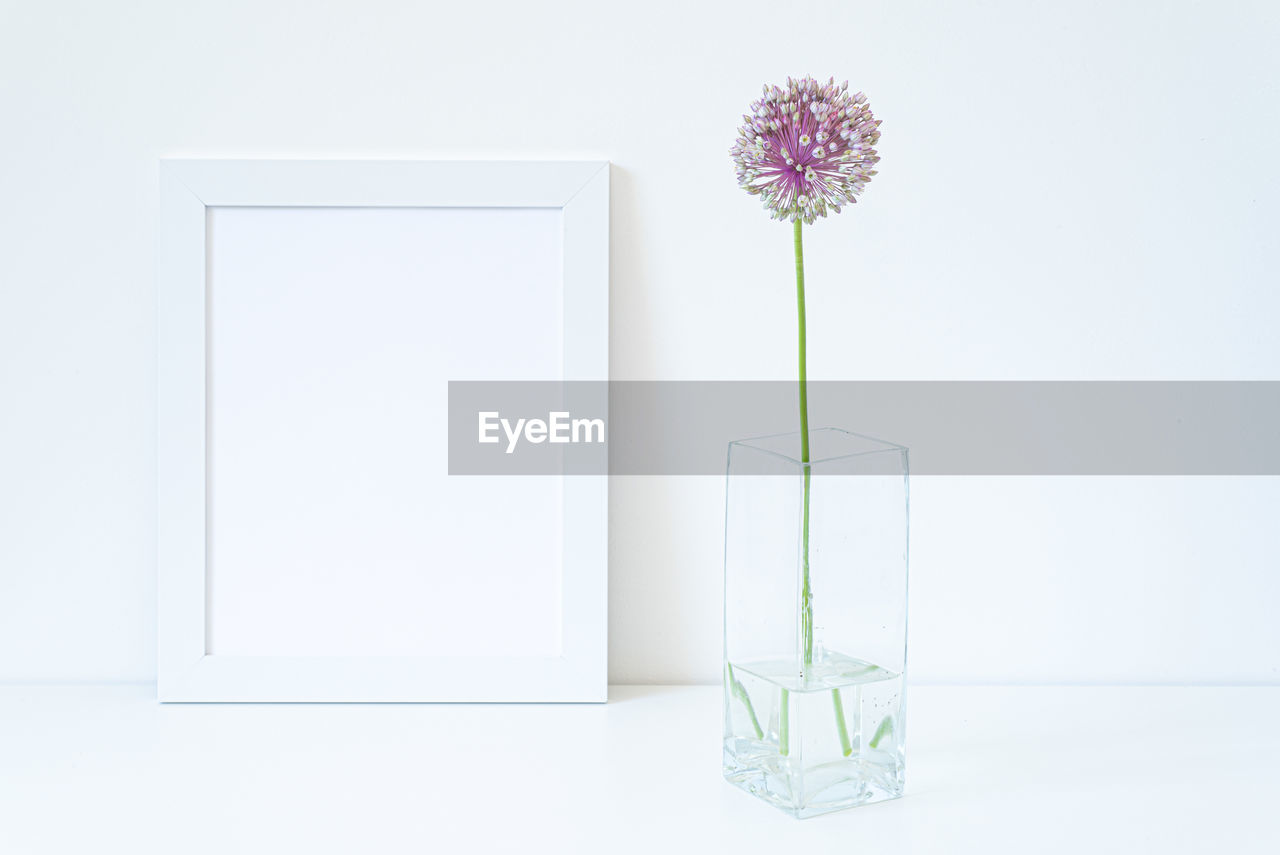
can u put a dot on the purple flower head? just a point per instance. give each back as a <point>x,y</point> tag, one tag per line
<point>806,148</point>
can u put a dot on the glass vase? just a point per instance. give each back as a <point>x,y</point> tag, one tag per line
<point>815,620</point>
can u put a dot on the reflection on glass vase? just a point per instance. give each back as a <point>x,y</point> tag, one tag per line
<point>815,620</point>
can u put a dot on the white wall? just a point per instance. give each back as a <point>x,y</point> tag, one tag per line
<point>1068,190</point>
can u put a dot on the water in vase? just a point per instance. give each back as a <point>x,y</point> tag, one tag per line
<point>830,740</point>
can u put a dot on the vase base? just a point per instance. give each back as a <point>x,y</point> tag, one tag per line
<point>832,740</point>
<point>817,790</point>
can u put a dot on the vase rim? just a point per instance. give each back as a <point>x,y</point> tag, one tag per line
<point>826,444</point>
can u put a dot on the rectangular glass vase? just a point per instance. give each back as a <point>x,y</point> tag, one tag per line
<point>815,620</point>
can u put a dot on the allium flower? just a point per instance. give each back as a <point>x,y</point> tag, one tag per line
<point>806,148</point>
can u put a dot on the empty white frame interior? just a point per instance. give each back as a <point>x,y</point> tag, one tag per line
<point>312,544</point>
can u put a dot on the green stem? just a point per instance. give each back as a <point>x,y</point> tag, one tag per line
<point>806,596</point>
<point>784,725</point>
<point>841,726</point>
<point>806,593</point>
<point>885,728</point>
<point>739,691</point>
<point>806,590</point>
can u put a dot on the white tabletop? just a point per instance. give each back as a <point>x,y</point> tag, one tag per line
<point>990,770</point>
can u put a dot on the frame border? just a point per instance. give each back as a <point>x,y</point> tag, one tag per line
<point>186,672</point>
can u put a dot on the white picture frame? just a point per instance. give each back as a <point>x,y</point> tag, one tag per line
<point>189,669</point>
